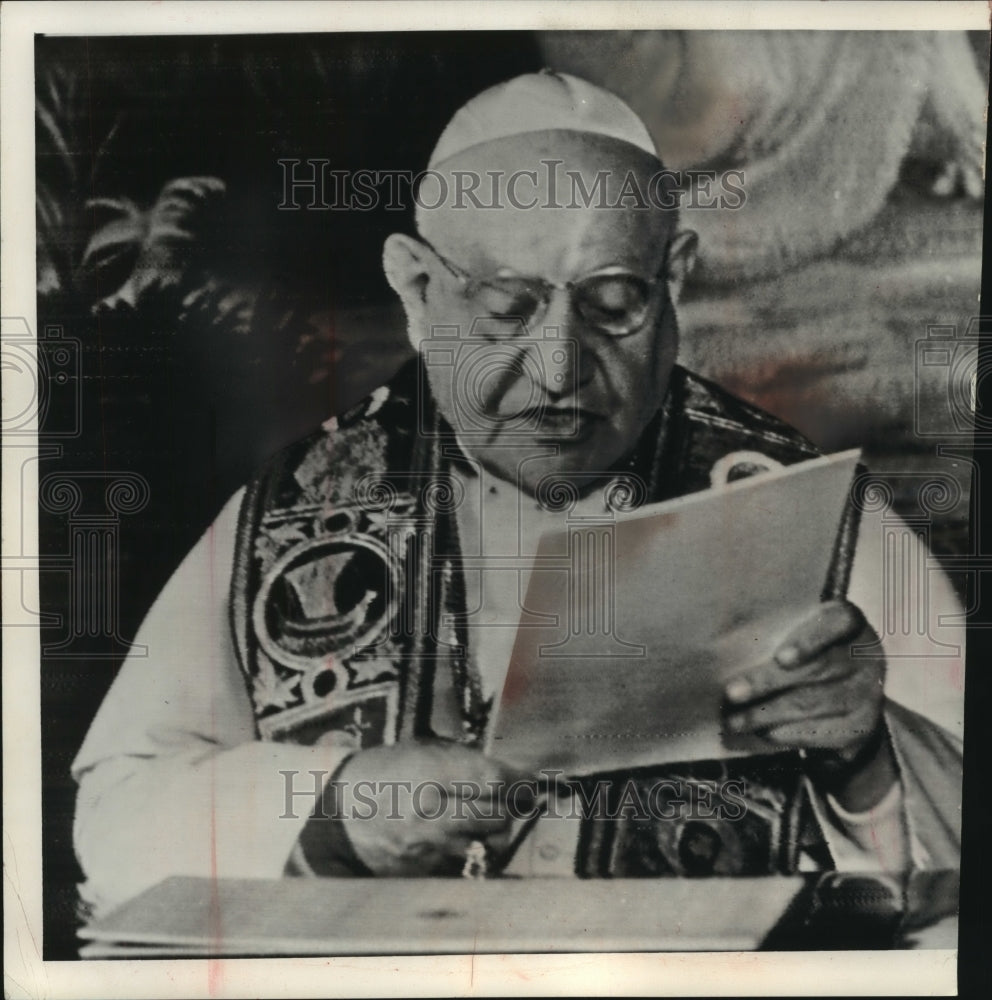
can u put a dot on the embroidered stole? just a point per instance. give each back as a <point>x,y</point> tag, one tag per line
<point>347,580</point>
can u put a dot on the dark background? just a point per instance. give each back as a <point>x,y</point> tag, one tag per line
<point>212,330</point>
<point>194,405</point>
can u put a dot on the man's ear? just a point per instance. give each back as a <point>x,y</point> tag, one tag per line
<point>406,265</point>
<point>681,261</point>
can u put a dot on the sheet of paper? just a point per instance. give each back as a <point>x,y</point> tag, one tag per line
<point>188,916</point>
<point>654,611</point>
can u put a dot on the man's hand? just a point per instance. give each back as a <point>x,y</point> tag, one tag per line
<point>414,808</point>
<point>813,694</point>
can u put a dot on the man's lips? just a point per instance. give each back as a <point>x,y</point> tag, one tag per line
<point>561,422</point>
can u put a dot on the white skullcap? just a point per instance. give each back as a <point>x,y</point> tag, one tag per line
<point>539,102</point>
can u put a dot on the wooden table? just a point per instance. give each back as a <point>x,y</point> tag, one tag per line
<point>257,917</point>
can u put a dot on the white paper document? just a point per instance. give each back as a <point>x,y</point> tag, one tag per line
<point>645,616</point>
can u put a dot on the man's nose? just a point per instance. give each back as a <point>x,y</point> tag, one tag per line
<point>564,360</point>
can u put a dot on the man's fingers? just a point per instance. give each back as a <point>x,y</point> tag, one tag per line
<point>507,777</point>
<point>832,622</point>
<point>484,825</point>
<point>771,678</point>
<point>809,701</point>
<point>459,766</point>
<point>422,804</point>
<point>802,658</point>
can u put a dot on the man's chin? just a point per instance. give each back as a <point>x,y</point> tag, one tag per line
<point>535,460</point>
<point>582,474</point>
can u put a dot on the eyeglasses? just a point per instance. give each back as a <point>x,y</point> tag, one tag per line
<point>613,300</point>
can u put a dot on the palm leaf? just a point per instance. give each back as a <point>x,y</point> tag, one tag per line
<point>163,240</point>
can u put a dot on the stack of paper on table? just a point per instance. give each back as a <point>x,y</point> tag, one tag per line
<point>650,613</point>
<point>196,917</point>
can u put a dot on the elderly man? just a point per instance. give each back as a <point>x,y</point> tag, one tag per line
<point>323,647</point>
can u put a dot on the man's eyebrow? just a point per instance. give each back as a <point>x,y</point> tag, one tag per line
<point>645,273</point>
<point>617,267</point>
